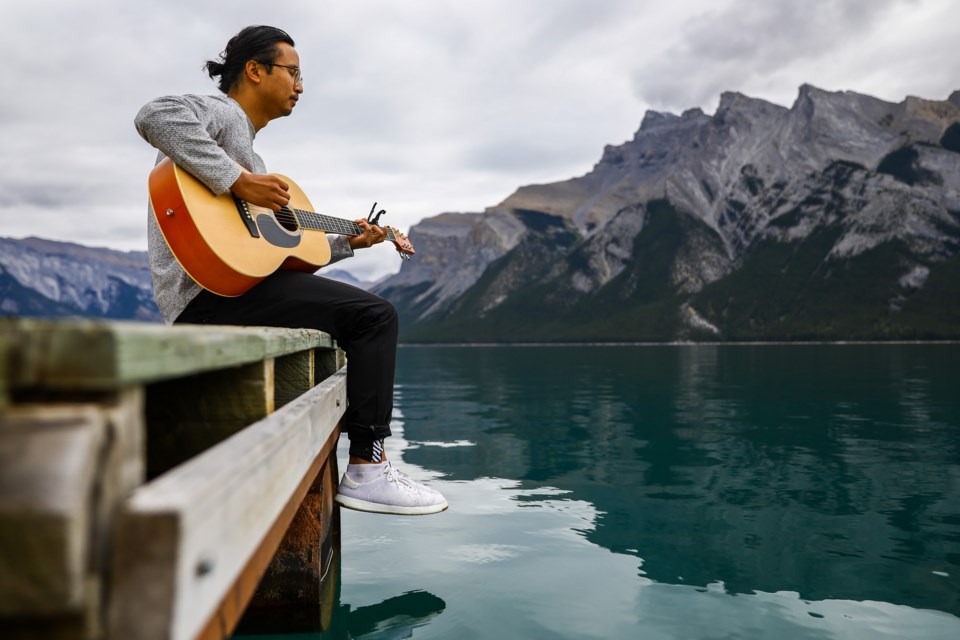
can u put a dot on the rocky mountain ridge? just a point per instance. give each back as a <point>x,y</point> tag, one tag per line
<point>836,218</point>
<point>48,278</point>
<point>694,204</point>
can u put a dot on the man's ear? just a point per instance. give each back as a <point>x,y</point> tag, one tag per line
<point>251,71</point>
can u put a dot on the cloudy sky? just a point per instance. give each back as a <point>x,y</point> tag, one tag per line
<point>423,105</point>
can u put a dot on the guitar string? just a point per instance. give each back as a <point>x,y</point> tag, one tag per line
<point>321,222</point>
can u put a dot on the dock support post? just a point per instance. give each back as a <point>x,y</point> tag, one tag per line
<point>297,592</point>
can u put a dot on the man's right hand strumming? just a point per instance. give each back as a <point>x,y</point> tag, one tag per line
<point>262,190</point>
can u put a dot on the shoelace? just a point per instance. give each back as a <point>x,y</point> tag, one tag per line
<point>400,479</point>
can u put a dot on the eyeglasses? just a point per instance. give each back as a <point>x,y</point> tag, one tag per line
<point>297,76</point>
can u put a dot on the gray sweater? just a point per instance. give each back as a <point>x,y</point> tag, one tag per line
<point>208,136</point>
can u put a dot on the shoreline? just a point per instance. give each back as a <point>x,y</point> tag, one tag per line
<point>418,345</point>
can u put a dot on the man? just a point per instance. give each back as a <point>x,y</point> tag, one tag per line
<point>209,136</point>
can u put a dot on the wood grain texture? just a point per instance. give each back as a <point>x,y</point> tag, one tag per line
<point>70,469</point>
<point>292,596</point>
<point>225,619</point>
<point>185,539</point>
<point>99,355</point>
<point>189,415</point>
<point>6,354</point>
<point>49,460</point>
<point>293,376</point>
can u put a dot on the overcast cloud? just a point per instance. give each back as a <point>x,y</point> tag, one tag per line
<point>424,105</point>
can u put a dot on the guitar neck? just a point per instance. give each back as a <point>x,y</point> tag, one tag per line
<point>329,224</point>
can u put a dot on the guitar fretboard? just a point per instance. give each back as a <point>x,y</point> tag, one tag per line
<point>325,223</point>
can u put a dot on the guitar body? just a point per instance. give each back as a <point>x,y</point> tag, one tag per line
<point>228,246</point>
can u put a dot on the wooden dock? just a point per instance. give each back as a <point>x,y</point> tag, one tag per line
<point>157,482</point>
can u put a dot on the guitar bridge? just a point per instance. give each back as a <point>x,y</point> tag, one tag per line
<point>244,210</point>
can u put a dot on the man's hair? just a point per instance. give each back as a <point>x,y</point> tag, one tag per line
<point>252,43</point>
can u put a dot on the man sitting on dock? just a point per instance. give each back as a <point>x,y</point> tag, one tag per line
<point>211,137</point>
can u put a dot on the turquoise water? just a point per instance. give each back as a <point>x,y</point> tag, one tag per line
<point>668,492</point>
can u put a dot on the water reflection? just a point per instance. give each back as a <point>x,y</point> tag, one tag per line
<point>668,492</point>
<point>393,618</point>
<point>828,472</point>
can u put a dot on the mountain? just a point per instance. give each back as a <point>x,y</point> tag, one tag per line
<point>48,278</point>
<point>346,277</point>
<point>57,279</point>
<point>837,218</point>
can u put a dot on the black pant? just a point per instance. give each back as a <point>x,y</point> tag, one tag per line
<point>363,324</point>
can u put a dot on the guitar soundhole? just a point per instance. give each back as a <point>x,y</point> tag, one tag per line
<point>286,219</point>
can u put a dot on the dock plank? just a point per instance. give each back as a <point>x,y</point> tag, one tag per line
<point>294,376</point>
<point>96,355</point>
<point>187,415</point>
<point>48,467</point>
<point>185,539</point>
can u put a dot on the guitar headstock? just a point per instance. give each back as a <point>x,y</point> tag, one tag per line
<point>401,242</point>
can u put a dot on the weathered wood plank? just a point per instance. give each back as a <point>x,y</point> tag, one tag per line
<point>5,356</point>
<point>106,355</point>
<point>292,596</point>
<point>49,456</point>
<point>74,626</point>
<point>185,540</point>
<point>328,361</point>
<point>90,454</point>
<point>293,376</point>
<point>189,415</point>
<point>232,606</point>
<point>122,466</point>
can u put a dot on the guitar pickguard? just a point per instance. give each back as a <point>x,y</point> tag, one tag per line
<point>273,233</point>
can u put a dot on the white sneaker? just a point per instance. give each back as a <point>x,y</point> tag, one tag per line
<point>390,492</point>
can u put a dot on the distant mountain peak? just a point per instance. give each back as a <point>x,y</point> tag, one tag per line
<point>656,119</point>
<point>696,200</point>
<point>53,278</point>
<point>736,101</point>
<point>41,277</point>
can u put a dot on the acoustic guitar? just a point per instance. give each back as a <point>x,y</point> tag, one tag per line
<point>228,245</point>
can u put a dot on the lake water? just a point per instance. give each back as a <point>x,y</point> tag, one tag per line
<point>776,491</point>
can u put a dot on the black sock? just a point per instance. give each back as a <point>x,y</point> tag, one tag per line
<point>372,450</point>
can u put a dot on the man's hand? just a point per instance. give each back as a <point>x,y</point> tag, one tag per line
<point>262,190</point>
<point>371,235</point>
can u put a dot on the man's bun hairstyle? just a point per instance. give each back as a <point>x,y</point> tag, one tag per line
<point>252,43</point>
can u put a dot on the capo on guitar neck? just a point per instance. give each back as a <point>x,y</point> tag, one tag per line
<point>375,219</point>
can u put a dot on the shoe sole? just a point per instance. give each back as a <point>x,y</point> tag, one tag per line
<point>373,507</point>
